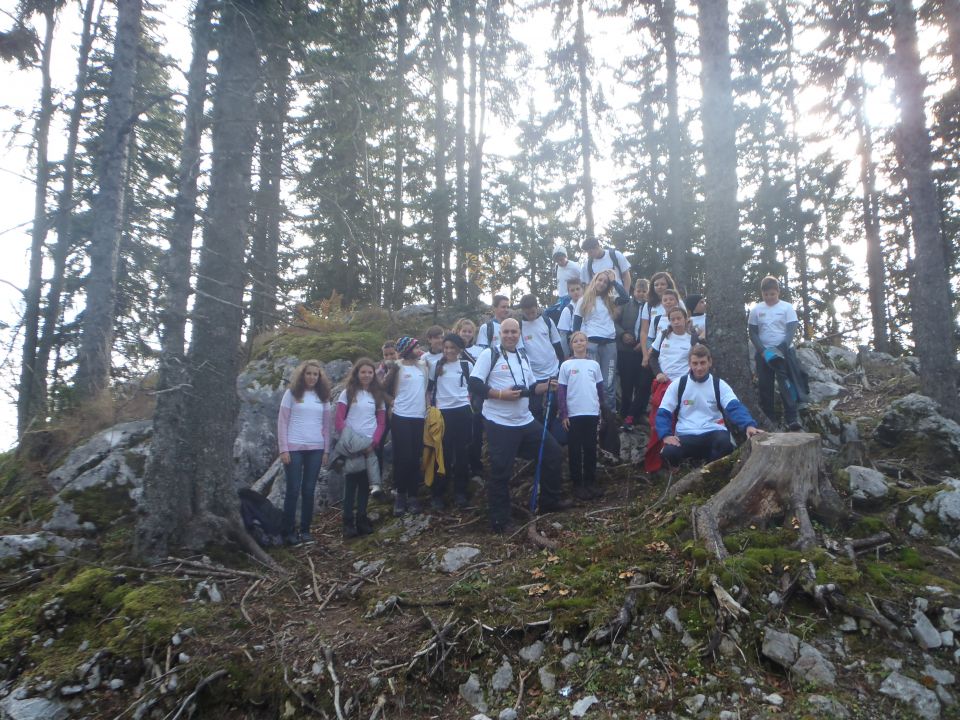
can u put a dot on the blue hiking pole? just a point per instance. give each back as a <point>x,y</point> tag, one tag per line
<point>535,490</point>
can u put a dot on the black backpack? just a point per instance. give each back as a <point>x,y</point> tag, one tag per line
<point>465,365</point>
<point>682,385</point>
<point>261,519</point>
<point>612,254</point>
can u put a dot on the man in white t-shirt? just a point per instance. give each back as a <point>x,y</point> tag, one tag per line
<point>773,323</point>
<point>599,258</point>
<point>488,334</point>
<point>541,341</point>
<point>691,402</point>
<point>567,270</point>
<point>503,377</point>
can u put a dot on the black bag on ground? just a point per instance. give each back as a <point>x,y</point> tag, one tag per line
<point>262,520</point>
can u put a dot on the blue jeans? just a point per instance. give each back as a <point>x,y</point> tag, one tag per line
<point>606,355</point>
<point>302,472</point>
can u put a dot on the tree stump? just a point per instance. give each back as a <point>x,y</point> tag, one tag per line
<point>781,476</point>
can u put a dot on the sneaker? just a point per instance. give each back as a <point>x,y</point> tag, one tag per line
<point>291,539</point>
<point>477,479</point>
<point>363,525</point>
<point>627,424</point>
<point>550,506</point>
<point>413,506</point>
<point>795,426</point>
<point>376,492</point>
<point>400,505</point>
<point>306,538</point>
<point>349,531</point>
<point>437,504</point>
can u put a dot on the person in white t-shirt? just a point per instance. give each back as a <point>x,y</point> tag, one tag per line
<point>595,314</point>
<point>567,270</point>
<point>670,354</point>
<point>489,332</point>
<point>541,341</point>
<point>580,397</point>
<point>362,406</point>
<point>659,283</point>
<point>434,337</point>
<point>773,323</point>
<point>407,385</point>
<point>467,330</point>
<point>450,393</point>
<point>598,258</point>
<point>503,377</point>
<point>303,433</point>
<point>565,323</point>
<point>700,432</point>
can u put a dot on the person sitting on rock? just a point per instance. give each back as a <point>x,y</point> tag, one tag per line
<point>694,411</point>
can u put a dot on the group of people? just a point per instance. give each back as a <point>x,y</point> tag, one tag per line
<point>529,384</point>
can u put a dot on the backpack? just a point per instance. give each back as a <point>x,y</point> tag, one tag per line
<point>612,254</point>
<point>488,325</point>
<point>465,365</point>
<point>548,321</point>
<point>261,519</point>
<point>682,385</point>
<point>556,310</point>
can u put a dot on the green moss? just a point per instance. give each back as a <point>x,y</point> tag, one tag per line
<point>910,558</point>
<point>867,526</point>
<point>102,505</point>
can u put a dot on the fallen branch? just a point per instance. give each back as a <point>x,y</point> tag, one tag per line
<point>313,573</point>
<point>328,656</point>
<point>212,677</point>
<point>243,610</point>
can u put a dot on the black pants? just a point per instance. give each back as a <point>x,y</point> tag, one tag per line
<point>356,493</point>
<point>766,377</point>
<point>407,434</point>
<point>631,371</point>
<point>708,446</point>
<point>476,444</point>
<point>457,429</point>
<point>505,444</point>
<point>582,449</point>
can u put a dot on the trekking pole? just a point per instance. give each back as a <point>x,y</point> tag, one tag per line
<point>535,490</point>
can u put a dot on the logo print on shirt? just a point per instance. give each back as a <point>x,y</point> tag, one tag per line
<point>688,402</point>
<point>574,372</point>
<point>504,367</point>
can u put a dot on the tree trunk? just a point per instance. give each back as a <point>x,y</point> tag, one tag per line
<point>781,477</point>
<point>93,358</point>
<point>931,286</point>
<point>264,260</point>
<point>460,151</point>
<point>676,216</point>
<point>724,253</point>
<point>26,408</point>
<point>164,476</point>
<point>441,209</point>
<point>198,504</point>
<point>394,284</point>
<point>471,241</point>
<point>586,139</point>
<point>951,13</point>
<point>64,219</point>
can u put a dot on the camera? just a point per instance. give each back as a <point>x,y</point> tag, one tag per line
<point>524,390</point>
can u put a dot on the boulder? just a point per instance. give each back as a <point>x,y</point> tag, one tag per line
<point>417,310</point>
<point>81,465</point>
<point>456,558</point>
<point>880,366</point>
<point>816,370</point>
<point>472,693</point>
<point>866,484</point>
<point>842,358</point>
<point>821,391</point>
<point>503,677</point>
<point>800,658</point>
<point>915,420</point>
<point>946,506</point>
<point>907,690</point>
<point>17,707</point>
<point>18,549</point>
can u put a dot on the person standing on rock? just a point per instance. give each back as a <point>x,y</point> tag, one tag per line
<point>303,433</point>
<point>580,397</point>
<point>502,376</point>
<point>362,413</point>
<point>694,413</point>
<point>773,323</point>
<point>407,385</point>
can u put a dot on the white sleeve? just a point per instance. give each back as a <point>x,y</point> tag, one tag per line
<point>657,345</point>
<point>576,311</point>
<point>583,274</point>
<point>554,332</point>
<point>669,401</point>
<point>287,401</point>
<point>482,336</point>
<point>564,377</point>
<point>753,319</point>
<point>481,368</point>
<point>343,397</point>
<point>654,328</point>
<point>527,371</point>
<point>624,264</point>
<point>791,313</point>
<point>727,395</point>
<point>597,374</point>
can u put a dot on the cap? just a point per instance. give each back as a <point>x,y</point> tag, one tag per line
<point>559,250</point>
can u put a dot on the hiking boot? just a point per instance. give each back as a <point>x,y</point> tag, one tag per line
<point>376,492</point>
<point>400,505</point>
<point>413,506</point>
<point>306,538</point>
<point>349,531</point>
<point>363,525</point>
<point>437,504</point>
<point>291,539</point>
<point>461,502</point>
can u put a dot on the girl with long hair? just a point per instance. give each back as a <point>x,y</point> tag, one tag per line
<point>361,408</point>
<point>303,433</point>
<point>407,384</point>
<point>596,314</point>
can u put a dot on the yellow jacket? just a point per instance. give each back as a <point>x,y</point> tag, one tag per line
<point>432,446</point>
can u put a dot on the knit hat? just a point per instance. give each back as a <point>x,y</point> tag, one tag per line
<point>455,339</point>
<point>691,301</point>
<point>405,345</point>
<point>559,250</point>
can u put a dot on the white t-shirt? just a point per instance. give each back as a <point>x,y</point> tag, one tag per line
<point>362,415</point>
<point>510,369</point>
<point>700,323</point>
<point>473,351</point>
<point>565,323</point>
<point>599,324</point>
<point>482,340</point>
<point>538,336</point>
<point>431,359</point>
<point>674,355</point>
<point>570,271</point>
<point>699,413</point>
<point>581,376</point>
<point>604,263</point>
<point>305,426</point>
<point>411,399</point>
<point>772,321</point>
<point>452,391</point>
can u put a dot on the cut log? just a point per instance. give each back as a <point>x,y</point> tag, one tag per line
<point>781,477</point>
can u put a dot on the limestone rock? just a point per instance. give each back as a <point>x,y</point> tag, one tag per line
<point>817,371</point>
<point>569,661</point>
<point>923,701</point>
<point>581,706</point>
<point>507,714</point>
<point>843,358</point>
<point>923,631</point>
<point>800,658</point>
<point>881,366</point>
<point>16,549</point>
<point>533,652</point>
<point>502,678</point>
<point>866,483</point>
<point>822,391</point>
<point>17,707</point>
<point>782,648</point>
<point>456,558</point>
<point>916,420</point>
<point>548,681</point>
<point>827,707</point>
<point>472,693</point>
<point>417,310</point>
<point>80,467</point>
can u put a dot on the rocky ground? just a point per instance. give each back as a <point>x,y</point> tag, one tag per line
<point>615,610</point>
